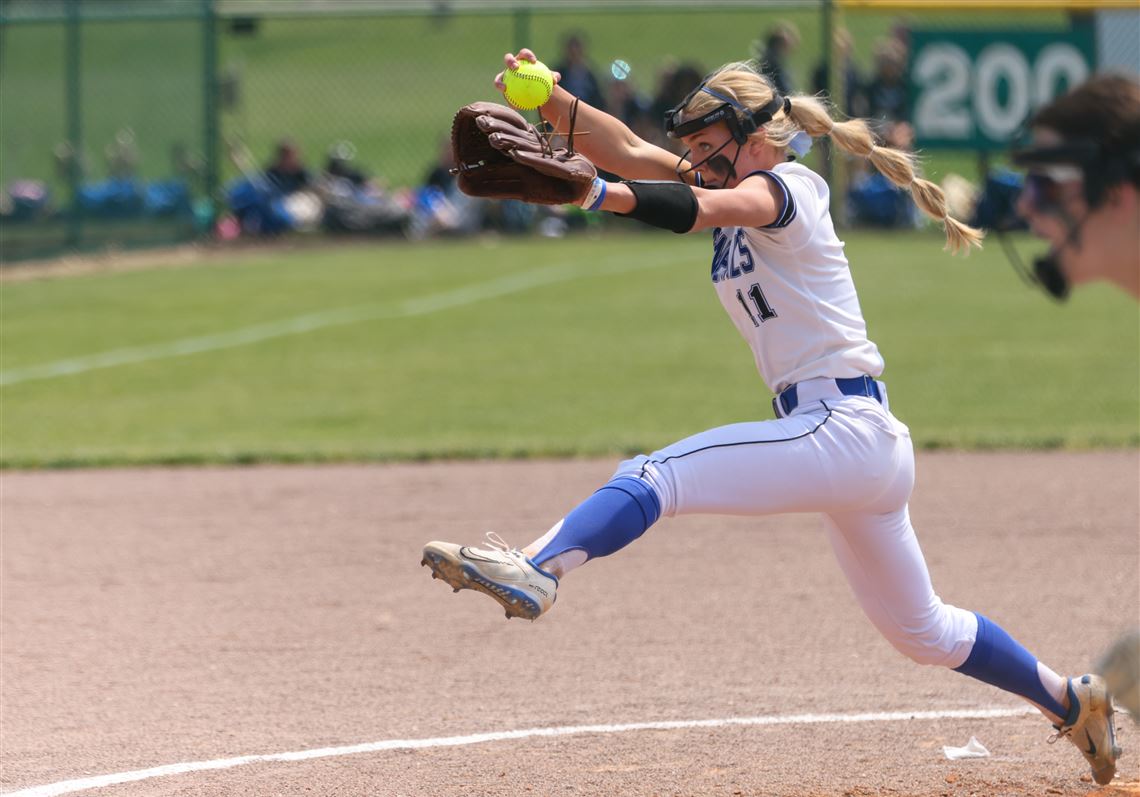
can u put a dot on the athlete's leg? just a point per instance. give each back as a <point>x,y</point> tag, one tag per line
<point>751,468</point>
<point>748,468</point>
<point>881,557</point>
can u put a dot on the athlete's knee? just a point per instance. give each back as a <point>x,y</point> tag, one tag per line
<point>655,475</point>
<point>941,638</point>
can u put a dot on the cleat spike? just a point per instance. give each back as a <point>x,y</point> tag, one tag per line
<point>456,589</point>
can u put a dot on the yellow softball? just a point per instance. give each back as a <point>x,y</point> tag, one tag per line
<point>529,86</point>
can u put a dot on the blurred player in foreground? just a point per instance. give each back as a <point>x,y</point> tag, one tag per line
<point>781,274</point>
<point>1082,191</point>
<point>1082,194</point>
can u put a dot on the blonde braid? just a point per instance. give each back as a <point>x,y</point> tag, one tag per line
<point>854,137</point>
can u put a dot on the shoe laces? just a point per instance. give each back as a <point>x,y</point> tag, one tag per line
<point>497,542</point>
<point>1062,731</point>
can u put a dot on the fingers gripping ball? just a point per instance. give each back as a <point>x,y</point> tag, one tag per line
<point>529,86</point>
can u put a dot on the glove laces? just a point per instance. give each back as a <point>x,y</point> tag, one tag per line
<point>547,147</point>
<point>573,121</point>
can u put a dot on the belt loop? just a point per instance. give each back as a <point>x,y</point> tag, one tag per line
<point>873,389</point>
<point>776,406</point>
<point>789,398</point>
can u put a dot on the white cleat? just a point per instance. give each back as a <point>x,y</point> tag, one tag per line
<point>1089,726</point>
<point>506,574</point>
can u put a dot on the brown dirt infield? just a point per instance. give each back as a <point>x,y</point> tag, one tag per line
<point>152,617</point>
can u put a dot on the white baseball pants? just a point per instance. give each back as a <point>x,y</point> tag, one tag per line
<point>850,459</point>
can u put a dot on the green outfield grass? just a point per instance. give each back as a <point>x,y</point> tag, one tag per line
<point>528,347</point>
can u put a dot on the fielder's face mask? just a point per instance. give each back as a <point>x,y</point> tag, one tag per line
<point>741,124</point>
<point>1051,170</point>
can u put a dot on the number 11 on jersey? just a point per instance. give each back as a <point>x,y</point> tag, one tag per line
<point>764,310</point>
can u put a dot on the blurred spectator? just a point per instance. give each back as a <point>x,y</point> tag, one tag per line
<point>439,173</point>
<point>873,200</point>
<point>287,172</point>
<point>438,207</point>
<point>778,45</point>
<point>341,164</point>
<point>674,82</point>
<point>122,155</point>
<point>277,199</point>
<point>69,164</point>
<point>354,201</point>
<point>887,99</point>
<point>853,99</point>
<point>900,32</point>
<point>173,196</point>
<point>187,165</point>
<point>628,104</point>
<point>123,194</point>
<point>577,76</point>
<point>996,203</point>
<point>26,200</point>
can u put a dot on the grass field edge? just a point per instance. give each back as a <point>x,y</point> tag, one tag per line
<point>253,457</point>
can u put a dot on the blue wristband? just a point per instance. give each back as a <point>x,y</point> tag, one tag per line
<point>601,197</point>
<point>598,186</point>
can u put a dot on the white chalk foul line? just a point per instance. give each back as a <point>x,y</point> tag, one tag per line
<point>83,784</point>
<point>503,286</point>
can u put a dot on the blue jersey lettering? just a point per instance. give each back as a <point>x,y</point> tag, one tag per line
<point>731,258</point>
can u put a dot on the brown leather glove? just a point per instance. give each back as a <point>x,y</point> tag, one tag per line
<point>499,155</point>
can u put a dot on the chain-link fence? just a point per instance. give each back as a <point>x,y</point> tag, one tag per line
<point>389,83</point>
<point>104,132</point>
<point>133,122</point>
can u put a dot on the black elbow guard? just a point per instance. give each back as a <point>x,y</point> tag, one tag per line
<point>665,204</point>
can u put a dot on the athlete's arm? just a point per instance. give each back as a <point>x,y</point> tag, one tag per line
<point>608,142</point>
<point>758,201</point>
<point>602,138</point>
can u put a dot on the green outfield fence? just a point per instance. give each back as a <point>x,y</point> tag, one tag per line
<point>133,115</point>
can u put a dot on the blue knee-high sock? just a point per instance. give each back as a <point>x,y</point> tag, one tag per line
<point>1000,660</point>
<point>607,521</point>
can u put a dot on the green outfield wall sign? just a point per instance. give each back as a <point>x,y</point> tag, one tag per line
<point>972,89</point>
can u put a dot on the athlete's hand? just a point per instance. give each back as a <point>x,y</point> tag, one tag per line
<point>512,62</point>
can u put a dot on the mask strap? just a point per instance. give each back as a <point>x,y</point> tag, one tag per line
<point>1046,272</point>
<point>692,167</point>
<point>711,155</point>
<point>723,98</point>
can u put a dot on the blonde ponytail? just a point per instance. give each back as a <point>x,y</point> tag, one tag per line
<point>854,137</point>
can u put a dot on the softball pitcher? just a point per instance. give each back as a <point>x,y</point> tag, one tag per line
<point>780,272</point>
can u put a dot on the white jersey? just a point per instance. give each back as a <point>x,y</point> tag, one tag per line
<point>788,289</point>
